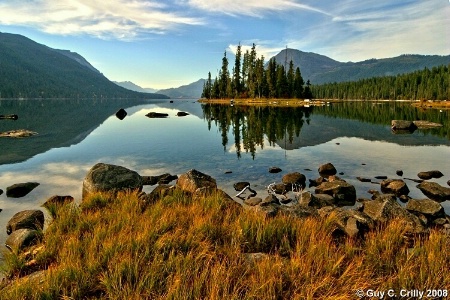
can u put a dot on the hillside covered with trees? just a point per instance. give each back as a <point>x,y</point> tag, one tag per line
<point>430,84</point>
<point>32,70</point>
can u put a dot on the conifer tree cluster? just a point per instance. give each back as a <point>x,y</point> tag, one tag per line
<point>251,79</point>
<point>422,84</point>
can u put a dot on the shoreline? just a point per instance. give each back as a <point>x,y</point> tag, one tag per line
<point>275,102</point>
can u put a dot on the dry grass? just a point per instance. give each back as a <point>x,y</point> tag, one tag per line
<point>179,248</point>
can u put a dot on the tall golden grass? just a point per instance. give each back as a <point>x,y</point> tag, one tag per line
<point>180,248</point>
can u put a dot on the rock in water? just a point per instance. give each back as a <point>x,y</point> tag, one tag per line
<point>194,180</point>
<point>327,170</point>
<point>121,114</point>
<point>19,133</point>
<point>182,114</point>
<point>156,115</point>
<point>19,190</point>
<point>274,170</point>
<point>31,219</point>
<point>426,206</point>
<point>110,178</point>
<point>434,191</point>
<point>294,181</point>
<point>21,239</point>
<point>394,186</point>
<point>403,125</point>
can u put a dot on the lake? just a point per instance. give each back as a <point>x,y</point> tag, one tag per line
<point>73,135</point>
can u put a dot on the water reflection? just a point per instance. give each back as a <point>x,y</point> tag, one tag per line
<point>296,127</point>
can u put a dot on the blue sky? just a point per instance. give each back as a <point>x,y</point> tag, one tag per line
<point>162,44</point>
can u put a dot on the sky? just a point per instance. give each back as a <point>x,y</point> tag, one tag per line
<point>163,44</point>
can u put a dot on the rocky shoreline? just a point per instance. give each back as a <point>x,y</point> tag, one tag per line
<point>332,196</point>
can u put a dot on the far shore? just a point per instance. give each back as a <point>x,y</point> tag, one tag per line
<point>305,102</point>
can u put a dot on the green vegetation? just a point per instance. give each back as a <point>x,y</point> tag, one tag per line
<point>32,70</point>
<point>185,248</point>
<point>251,79</point>
<point>424,84</point>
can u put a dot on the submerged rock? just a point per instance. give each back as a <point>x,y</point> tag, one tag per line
<point>110,178</point>
<point>19,190</point>
<point>426,124</point>
<point>121,114</point>
<point>9,117</point>
<point>182,114</point>
<point>294,181</point>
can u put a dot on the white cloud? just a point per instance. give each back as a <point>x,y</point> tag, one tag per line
<point>264,48</point>
<point>254,8</point>
<point>119,19</point>
<point>377,29</point>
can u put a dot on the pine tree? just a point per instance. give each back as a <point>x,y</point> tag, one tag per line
<point>237,73</point>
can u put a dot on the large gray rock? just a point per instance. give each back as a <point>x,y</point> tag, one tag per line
<point>31,219</point>
<point>350,222</point>
<point>394,186</point>
<point>386,208</point>
<point>22,238</point>
<point>193,181</point>
<point>327,170</point>
<point>434,191</point>
<point>294,180</point>
<point>19,190</point>
<point>316,200</point>
<point>110,178</point>
<point>425,206</point>
<point>343,193</point>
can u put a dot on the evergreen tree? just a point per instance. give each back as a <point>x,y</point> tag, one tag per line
<point>308,94</point>
<point>298,84</point>
<point>237,73</point>
<point>224,76</point>
<point>290,80</point>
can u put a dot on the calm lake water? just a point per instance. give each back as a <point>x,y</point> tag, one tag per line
<point>76,134</point>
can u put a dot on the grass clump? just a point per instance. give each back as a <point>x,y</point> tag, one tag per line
<point>185,248</point>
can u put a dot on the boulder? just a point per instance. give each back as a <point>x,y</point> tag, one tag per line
<point>343,192</point>
<point>253,201</point>
<point>386,208</point>
<point>351,222</point>
<point>1,191</point>
<point>159,192</point>
<point>182,114</point>
<point>19,133</point>
<point>316,182</point>
<point>430,174</point>
<point>434,191</point>
<point>268,211</point>
<point>327,170</point>
<point>194,180</point>
<point>294,181</point>
<point>19,190</point>
<point>394,186</point>
<point>156,115</point>
<point>299,211</point>
<point>279,188</point>
<point>274,170</point>
<point>270,199</point>
<point>398,172</point>
<point>427,207</point>
<point>111,179</point>
<point>316,200</point>
<point>403,125</point>
<point>55,202</point>
<point>31,219</point>
<point>22,238</point>
<point>121,114</point>
<point>448,183</point>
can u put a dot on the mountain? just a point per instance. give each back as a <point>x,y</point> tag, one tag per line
<point>32,70</point>
<point>322,69</point>
<point>134,87</point>
<point>192,90</point>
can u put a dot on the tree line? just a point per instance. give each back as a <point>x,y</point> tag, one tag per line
<point>422,84</point>
<point>250,78</point>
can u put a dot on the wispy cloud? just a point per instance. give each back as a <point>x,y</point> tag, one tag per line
<point>254,8</point>
<point>361,30</point>
<point>264,48</point>
<point>118,19</point>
